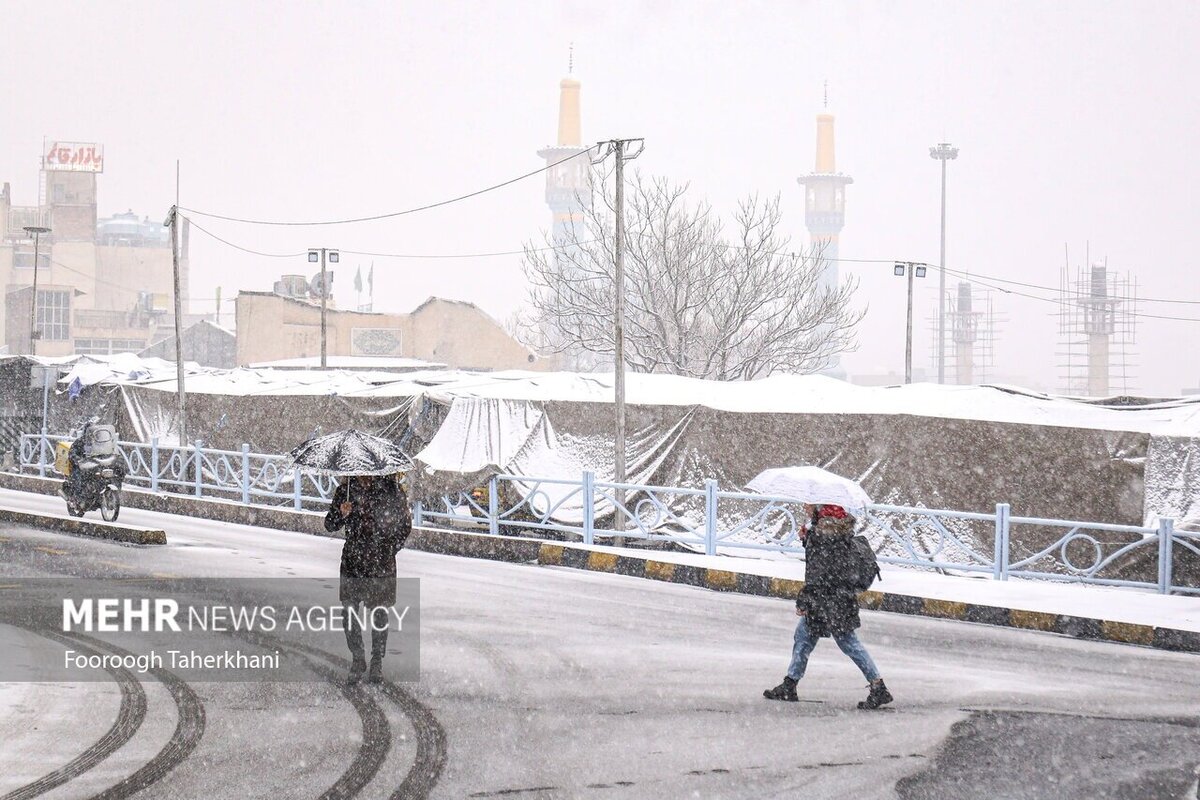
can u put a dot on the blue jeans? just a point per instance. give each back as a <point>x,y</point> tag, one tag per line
<point>847,642</point>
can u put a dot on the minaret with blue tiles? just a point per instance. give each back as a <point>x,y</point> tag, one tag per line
<point>825,206</point>
<point>568,189</point>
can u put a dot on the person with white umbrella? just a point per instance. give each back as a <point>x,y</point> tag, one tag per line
<point>838,567</point>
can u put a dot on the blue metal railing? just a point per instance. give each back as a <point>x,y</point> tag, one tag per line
<point>721,522</point>
<point>251,478</point>
<point>708,520</point>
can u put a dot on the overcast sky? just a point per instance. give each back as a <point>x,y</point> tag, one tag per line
<point>1077,124</point>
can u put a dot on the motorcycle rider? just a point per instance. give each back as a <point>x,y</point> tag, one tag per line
<point>75,456</point>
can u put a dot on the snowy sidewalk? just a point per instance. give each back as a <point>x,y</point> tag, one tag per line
<point>1134,606</point>
<point>1088,612</point>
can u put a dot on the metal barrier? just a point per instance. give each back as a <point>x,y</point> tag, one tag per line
<point>720,522</point>
<point>251,478</point>
<point>708,519</point>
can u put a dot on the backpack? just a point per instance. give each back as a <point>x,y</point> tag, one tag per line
<point>864,566</point>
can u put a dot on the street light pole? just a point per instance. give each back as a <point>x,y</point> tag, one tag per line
<point>333,256</point>
<point>37,231</point>
<point>942,152</point>
<point>902,268</point>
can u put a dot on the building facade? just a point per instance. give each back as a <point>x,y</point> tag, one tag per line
<point>104,285</point>
<point>275,325</point>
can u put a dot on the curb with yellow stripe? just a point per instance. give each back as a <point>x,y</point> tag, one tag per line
<point>721,580</point>
<point>95,529</point>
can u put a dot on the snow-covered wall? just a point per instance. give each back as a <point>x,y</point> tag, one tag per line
<point>964,448</point>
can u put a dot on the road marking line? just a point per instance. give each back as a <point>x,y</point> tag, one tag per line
<point>54,551</point>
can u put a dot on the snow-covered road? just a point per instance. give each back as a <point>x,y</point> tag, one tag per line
<point>544,682</point>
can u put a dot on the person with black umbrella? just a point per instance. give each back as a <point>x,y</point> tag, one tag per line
<point>373,508</point>
<point>374,511</point>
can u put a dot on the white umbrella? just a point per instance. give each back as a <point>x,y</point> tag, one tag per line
<point>812,485</point>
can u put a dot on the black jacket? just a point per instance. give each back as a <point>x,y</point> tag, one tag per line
<point>827,598</point>
<point>376,528</point>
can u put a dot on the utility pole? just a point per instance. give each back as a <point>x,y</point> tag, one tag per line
<point>37,231</point>
<point>180,391</point>
<point>902,268</point>
<point>316,254</point>
<point>619,148</point>
<point>942,152</point>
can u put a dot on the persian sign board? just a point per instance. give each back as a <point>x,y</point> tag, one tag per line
<point>375,342</point>
<point>73,156</point>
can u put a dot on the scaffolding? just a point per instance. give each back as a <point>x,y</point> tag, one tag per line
<point>1097,325</point>
<point>971,328</point>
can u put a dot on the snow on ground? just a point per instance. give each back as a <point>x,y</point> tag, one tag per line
<point>561,683</point>
<point>1098,602</point>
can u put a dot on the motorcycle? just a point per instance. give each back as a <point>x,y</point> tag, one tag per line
<point>101,470</point>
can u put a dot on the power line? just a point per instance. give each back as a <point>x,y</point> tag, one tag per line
<point>113,284</point>
<point>94,278</point>
<point>392,214</point>
<point>489,254</point>
<point>1054,289</point>
<point>209,233</point>
<point>470,255</point>
<point>973,276</point>
<point>1056,301</point>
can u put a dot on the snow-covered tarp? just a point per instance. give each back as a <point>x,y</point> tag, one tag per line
<point>1118,460</point>
<point>964,448</point>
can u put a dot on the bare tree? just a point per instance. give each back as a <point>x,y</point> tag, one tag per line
<point>696,303</point>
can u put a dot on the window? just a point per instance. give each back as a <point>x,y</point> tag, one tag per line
<point>23,257</point>
<point>106,347</point>
<point>54,315</point>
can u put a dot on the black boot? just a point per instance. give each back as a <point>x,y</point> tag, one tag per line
<point>784,691</point>
<point>378,647</point>
<point>879,696</point>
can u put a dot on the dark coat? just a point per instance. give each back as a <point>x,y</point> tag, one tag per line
<point>376,529</point>
<point>827,598</point>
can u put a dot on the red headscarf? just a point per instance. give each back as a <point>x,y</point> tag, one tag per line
<point>837,512</point>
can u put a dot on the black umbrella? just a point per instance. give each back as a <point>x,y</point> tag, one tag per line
<point>350,453</point>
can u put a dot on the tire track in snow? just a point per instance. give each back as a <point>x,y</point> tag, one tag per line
<point>130,716</point>
<point>431,755</point>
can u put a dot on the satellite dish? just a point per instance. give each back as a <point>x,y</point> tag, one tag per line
<point>315,287</point>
